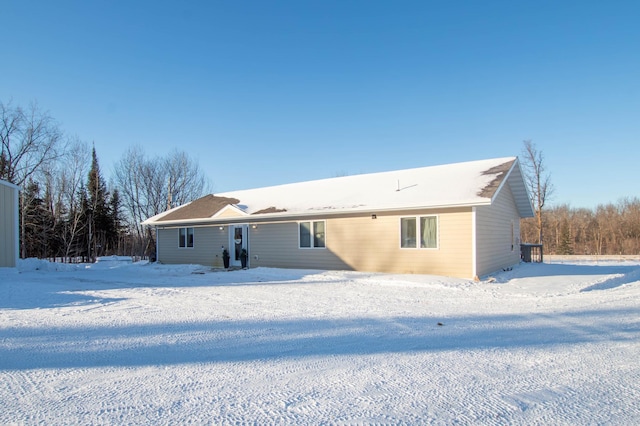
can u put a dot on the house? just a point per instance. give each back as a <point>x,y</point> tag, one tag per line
<point>460,220</point>
<point>9,242</point>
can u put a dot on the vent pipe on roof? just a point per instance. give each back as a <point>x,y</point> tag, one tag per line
<point>406,187</point>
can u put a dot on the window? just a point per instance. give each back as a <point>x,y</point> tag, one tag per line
<point>312,234</point>
<point>408,232</point>
<point>185,237</point>
<point>423,229</point>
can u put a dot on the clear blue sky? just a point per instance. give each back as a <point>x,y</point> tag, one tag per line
<point>271,92</point>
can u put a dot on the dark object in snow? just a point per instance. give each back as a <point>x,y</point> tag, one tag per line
<point>243,258</point>
<point>225,258</point>
<point>440,324</point>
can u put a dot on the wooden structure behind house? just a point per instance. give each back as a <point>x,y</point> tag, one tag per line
<point>532,252</point>
<point>460,220</point>
<point>9,240</point>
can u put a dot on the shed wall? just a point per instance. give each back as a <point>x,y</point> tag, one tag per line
<point>8,225</point>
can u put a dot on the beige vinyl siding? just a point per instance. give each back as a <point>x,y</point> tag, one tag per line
<point>352,243</point>
<point>206,250</point>
<point>276,245</point>
<point>8,225</point>
<point>495,249</point>
<point>229,212</point>
<point>368,244</point>
<point>365,244</point>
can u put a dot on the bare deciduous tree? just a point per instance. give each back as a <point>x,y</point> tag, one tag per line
<point>150,186</point>
<point>30,139</point>
<point>538,181</point>
<point>70,178</point>
<point>185,180</point>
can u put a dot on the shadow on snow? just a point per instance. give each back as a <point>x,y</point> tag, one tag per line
<point>238,341</point>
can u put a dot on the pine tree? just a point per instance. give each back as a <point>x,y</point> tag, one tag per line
<point>566,243</point>
<point>84,241</point>
<point>98,211</point>
<point>37,228</point>
<point>4,169</point>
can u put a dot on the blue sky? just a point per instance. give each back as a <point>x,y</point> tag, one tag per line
<point>270,92</point>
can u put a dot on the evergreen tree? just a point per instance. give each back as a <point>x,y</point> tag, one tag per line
<point>37,223</point>
<point>566,243</point>
<point>84,239</point>
<point>4,172</point>
<point>98,211</point>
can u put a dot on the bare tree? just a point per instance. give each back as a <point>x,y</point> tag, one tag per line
<point>30,139</point>
<point>150,186</point>
<point>538,181</point>
<point>185,179</point>
<point>128,175</point>
<point>69,182</point>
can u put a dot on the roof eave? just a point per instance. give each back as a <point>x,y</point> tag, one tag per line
<point>320,213</point>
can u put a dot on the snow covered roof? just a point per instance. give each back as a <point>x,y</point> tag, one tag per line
<point>473,183</point>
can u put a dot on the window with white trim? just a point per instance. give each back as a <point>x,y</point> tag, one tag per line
<point>419,232</point>
<point>312,234</point>
<point>185,237</point>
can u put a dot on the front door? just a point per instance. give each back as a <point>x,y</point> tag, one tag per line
<point>238,236</point>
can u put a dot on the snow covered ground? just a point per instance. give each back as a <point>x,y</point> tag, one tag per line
<point>135,343</point>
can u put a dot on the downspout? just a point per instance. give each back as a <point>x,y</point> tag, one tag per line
<point>474,250</point>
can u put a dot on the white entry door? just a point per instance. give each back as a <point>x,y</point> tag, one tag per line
<point>237,242</point>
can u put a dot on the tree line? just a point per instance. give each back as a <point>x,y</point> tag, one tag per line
<point>68,212</point>
<point>608,229</point>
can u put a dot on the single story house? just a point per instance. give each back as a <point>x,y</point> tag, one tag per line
<point>9,240</point>
<point>460,220</point>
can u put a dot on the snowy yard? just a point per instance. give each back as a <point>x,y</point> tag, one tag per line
<point>123,343</point>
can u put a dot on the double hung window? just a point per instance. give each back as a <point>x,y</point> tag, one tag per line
<point>185,237</point>
<point>312,234</point>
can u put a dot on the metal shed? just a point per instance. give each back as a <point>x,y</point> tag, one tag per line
<point>9,235</point>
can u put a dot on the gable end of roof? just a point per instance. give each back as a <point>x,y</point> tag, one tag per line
<point>201,208</point>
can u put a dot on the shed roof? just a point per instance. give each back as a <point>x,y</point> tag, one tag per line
<point>471,183</point>
<point>9,184</point>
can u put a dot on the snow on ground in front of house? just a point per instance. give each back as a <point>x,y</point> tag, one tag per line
<point>118,342</point>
